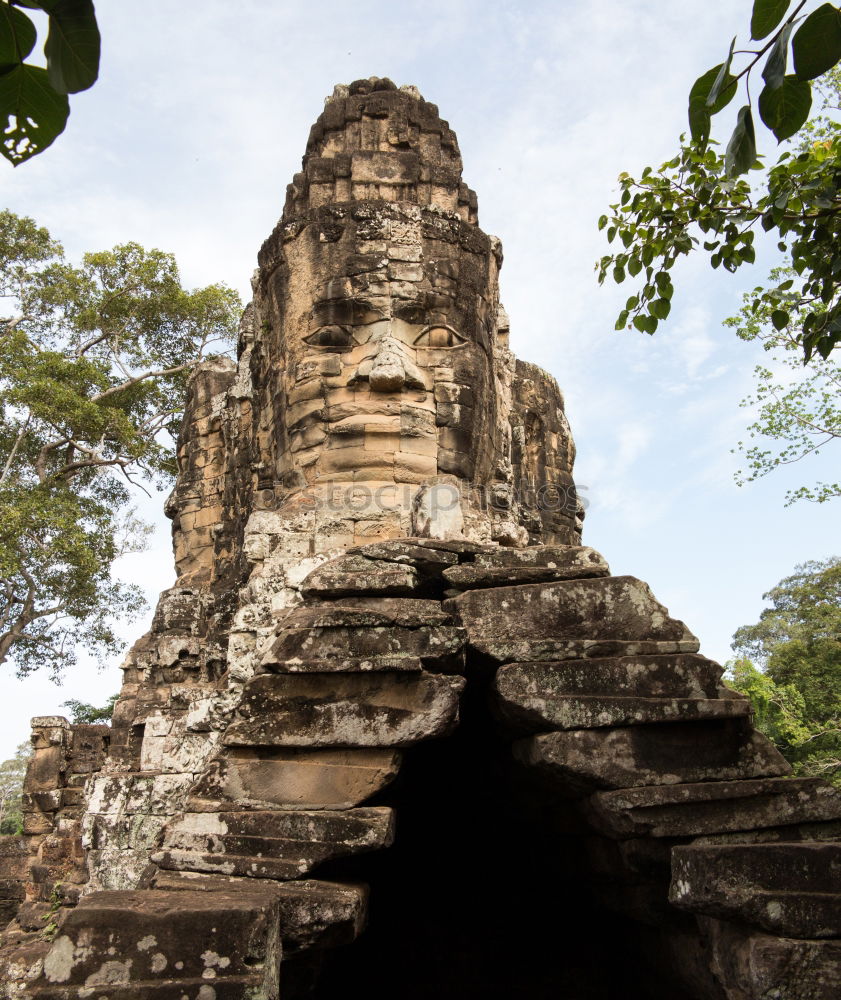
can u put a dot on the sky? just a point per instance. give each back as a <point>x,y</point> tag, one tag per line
<point>200,117</point>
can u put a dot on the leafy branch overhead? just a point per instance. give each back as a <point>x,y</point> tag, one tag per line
<point>33,101</point>
<point>702,199</point>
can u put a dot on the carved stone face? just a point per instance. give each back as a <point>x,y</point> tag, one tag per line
<point>386,355</point>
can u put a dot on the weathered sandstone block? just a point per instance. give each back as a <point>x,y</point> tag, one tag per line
<point>274,844</point>
<point>535,564</point>
<point>713,807</point>
<point>356,575</point>
<point>155,943</point>
<point>363,710</point>
<point>755,966</point>
<point>301,650</point>
<point>793,890</point>
<point>677,753</point>
<point>313,914</point>
<point>290,779</point>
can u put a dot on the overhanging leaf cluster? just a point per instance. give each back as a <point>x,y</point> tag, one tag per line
<point>33,101</point>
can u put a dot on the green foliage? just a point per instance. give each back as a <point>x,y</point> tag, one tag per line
<point>33,102</point>
<point>94,362</point>
<point>797,642</point>
<point>699,199</point>
<point>12,773</point>
<point>796,404</point>
<point>85,713</point>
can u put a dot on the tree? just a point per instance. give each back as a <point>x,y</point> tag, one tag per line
<point>796,688</point>
<point>699,198</point>
<point>94,362</point>
<point>33,101</point>
<point>797,403</point>
<point>12,773</point>
<point>85,713</point>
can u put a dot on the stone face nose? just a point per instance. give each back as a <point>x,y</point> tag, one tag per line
<point>391,369</point>
<point>388,372</point>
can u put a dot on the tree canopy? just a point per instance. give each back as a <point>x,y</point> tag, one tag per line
<point>33,101</point>
<point>790,666</point>
<point>94,361</point>
<point>700,199</point>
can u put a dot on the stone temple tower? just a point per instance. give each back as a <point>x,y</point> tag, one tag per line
<point>395,731</point>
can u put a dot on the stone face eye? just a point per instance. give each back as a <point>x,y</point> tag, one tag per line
<point>335,338</point>
<point>440,336</point>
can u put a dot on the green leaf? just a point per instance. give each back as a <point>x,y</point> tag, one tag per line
<point>775,67</point>
<point>780,318</point>
<point>73,43</point>
<point>741,150</point>
<point>721,77</point>
<point>621,322</point>
<point>767,14</point>
<point>32,114</point>
<point>817,42</point>
<point>786,109</point>
<point>660,308</point>
<point>602,222</point>
<point>17,36</point>
<point>699,113</point>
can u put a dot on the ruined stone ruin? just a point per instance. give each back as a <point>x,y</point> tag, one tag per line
<point>395,732</point>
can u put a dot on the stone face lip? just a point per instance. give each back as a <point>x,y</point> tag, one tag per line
<point>313,914</point>
<point>791,889</point>
<point>612,608</point>
<point>677,753</point>
<point>712,807</point>
<point>350,576</point>
<point>535,564</point>
<point>274,844</point>
<point>309,779</point>
<point>296,649</point>
<point>362,710</point>
<point>153,940</point>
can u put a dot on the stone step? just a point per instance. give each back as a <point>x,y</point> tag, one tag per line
<point>427,560</point>
<point>712,807</point>
<point>313,914</point>
<point>759,966</point>
<point>669,754</point>
<point>231,988</point>
<point>407,612</point>
<point>503,651</point>
<point>685,675</point>
<point>535,564</point>
<point>153,942</point>
<point>440,647</point>
<point>292,779</point>
<point>593,711</point>
<point>276,844</point>
<point>791,889</point>
<point>614,608</point>
<point>355,575</point>
<point>350,710</point>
